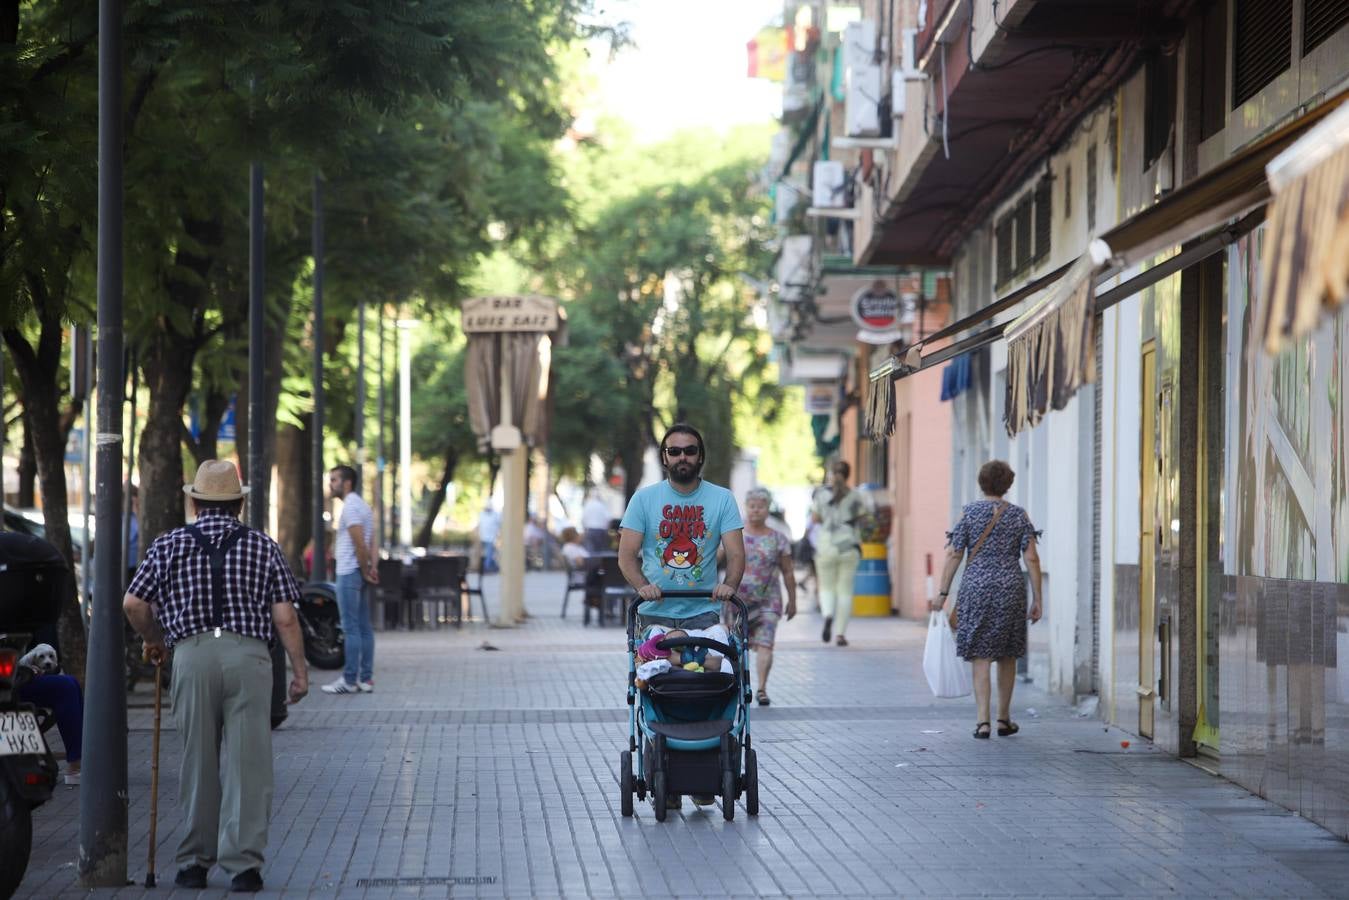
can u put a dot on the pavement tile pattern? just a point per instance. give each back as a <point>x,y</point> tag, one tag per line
<point>493,773</point>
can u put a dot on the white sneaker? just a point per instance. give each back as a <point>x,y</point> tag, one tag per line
<point>340,686</point>
<point>366,687</point>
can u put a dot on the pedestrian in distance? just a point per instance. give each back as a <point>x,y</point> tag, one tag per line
<point>356,568</point>
<point>768,562</point>
<point>595,520</point>
<point>669,537</point>
<point>838,549</point>
<point>989,616</point>
<point>214,593</point>
<point>489,528</point>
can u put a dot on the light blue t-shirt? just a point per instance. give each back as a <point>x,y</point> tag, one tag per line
<point>680,536</point>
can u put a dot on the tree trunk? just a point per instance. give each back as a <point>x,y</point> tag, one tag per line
<point>294,493</point>
<point>438,499</point>
<point>46,429</point>
<point>168,375</point>
<point>27,468</point>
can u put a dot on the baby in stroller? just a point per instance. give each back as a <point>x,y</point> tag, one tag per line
<point>653,659</point>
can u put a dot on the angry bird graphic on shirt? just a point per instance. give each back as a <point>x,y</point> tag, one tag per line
<point>681,553</point>
<point>683,532</point>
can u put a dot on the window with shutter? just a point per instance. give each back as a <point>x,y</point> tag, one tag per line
<point>1160,101</point>
<point>1091,188</point>
<point>1321,19</point>
<point>1213,78</point>
<point>1024,248</point>
<point>1044,218</point>
<point>1262,45</point>
<point>1003,237</point>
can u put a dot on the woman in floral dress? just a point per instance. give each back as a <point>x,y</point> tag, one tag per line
<point>991,610</point>
<point>768,561</point>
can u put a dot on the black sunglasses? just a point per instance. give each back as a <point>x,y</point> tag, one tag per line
<point>691,450</point>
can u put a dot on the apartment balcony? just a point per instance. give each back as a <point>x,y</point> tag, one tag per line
<point>993,85</point>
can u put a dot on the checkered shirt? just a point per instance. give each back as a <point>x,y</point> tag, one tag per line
<point>176,576</point>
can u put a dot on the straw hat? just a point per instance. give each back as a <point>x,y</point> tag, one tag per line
<point>216,479</point>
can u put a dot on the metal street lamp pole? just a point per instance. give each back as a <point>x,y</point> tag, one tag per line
<point>379,441</point>
<point>257,345</point>
<point>405,432</point>
<point>360,393</point>
<point>102,858</point>
<point>320,569</point>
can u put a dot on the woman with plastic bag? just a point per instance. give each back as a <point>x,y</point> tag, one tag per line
<point>989,616</point>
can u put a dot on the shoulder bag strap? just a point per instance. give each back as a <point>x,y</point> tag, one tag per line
<point>979,544</point>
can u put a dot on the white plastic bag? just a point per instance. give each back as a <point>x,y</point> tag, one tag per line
<point>947,674</point>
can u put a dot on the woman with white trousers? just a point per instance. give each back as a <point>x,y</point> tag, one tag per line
<point>838,549</point>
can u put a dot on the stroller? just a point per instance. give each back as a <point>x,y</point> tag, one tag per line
<point>690,730</point>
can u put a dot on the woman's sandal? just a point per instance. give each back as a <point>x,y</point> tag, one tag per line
<point>762,697</point>
<point>981,731</point>
<point>1011,729</point>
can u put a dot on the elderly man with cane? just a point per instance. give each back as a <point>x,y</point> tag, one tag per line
<point>217,620</point>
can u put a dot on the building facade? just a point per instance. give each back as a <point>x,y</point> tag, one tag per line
<point>1190,480</point>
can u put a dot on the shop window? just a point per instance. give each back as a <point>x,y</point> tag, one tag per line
<point>1213,71</point>
<point>1321,19</point>
<point>1262,45</point>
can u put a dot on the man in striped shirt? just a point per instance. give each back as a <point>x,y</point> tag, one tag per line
<point>218,589</point>
<point>356,568</point>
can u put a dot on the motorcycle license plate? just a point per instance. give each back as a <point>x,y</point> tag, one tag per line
<point>19,734</point>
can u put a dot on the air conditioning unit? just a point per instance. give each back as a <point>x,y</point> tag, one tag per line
<point>794,271</point>
<point>786,197</point>
<point>862,75</point>
<point>830,184</point>
<point>898,100</point>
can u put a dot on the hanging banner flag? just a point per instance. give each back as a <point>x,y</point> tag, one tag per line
<point>768,54</point>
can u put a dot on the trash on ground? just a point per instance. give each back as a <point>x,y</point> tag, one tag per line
<point>932,731</point>
<point>486,646</point>
<point>902,765</point>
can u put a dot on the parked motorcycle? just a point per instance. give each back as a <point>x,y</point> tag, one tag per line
<point>321,625</point>
<point>32,575</point>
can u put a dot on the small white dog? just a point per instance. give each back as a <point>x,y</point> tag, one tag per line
<point>41,659</point>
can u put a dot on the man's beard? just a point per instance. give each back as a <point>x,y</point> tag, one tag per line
<point>685,472</point>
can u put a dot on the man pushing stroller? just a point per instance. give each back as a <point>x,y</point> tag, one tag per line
<point>669,536</point>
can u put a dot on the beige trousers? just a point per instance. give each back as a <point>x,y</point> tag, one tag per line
<point>835,574</point>
<point>222,704</point>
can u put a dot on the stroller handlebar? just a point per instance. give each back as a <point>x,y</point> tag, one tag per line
<point>674,643</point>
<point>638,600</point>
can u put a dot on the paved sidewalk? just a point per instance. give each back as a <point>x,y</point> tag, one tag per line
<point>473,772</point>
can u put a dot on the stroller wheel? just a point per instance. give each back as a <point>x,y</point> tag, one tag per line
<point>751,782</point>
<point>728,794</point>
<point>625,781</point>
<point>640,784</point>
<point>658,795</point>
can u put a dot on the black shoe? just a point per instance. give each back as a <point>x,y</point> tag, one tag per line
<point>828,629</point>
<point>191,877</point>
<point>249,881</point>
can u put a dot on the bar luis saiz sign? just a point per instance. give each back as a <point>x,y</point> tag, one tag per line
<point>506,314</point>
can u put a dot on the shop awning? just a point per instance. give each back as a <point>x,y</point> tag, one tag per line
<point>1305,260</point>
<point>1212,210</point>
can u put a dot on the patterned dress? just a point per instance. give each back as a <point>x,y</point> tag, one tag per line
<point>991,606</point>
<point>759,587</point>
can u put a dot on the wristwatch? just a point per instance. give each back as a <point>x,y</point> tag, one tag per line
<point>944,594</point>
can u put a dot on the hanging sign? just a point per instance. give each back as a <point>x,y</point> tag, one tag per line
<point>876,310</point>
<point>506,314</point>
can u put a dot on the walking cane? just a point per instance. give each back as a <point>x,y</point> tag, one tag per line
<point>154,777</point>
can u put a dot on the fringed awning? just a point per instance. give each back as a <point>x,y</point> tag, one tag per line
<point>878,421</point>
<point>1050,349</point>
<point>1305,261</point>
